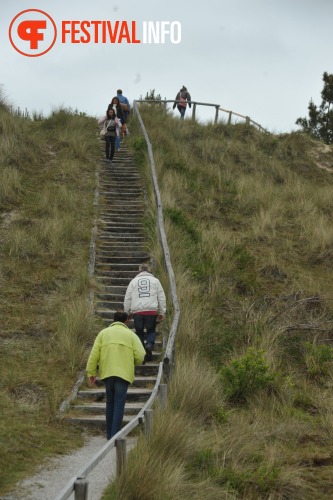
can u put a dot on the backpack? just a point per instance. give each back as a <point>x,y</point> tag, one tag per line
<point>182,102</point>
<point>124,106</point>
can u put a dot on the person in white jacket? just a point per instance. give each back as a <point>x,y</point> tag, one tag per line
<point>145,301</point>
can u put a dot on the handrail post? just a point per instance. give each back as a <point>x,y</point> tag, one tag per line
<point>193,111</point>
<point>148,423</point>
<point>163,395</point>
<point>247,120</point>
<point>166,370</point>
<point>121,455</point>
<point>81,489</point>
<point>216,114</point>
<point>164,107</point>
<point>229,118</point>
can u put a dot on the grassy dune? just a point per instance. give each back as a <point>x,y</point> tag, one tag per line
<point>47,181</point>
<point>248,220</point>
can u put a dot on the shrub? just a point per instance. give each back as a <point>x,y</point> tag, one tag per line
<point>246,375</point>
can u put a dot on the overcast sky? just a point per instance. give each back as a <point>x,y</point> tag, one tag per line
<point>261,58</point>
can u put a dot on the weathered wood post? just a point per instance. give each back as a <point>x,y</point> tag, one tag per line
<point>148,422</point>
<point>164,107</point>
<point>163,395</point>
<point>216,114</point>
<point>229,118</point>
<point>81,489</point>
<point>193,111</point>
<point>121,455</point>
<point>247,120</point>
<point>166,370</point>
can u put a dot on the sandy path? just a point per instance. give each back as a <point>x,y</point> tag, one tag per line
<point>53,476</point>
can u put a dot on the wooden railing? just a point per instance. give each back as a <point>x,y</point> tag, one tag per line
<point>79,483</point>
<point>217,107</point>
<point>168,355</point>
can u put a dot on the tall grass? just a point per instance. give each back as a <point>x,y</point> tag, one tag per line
<point>75,329</point>
<point>157,470</point>
<point>10,185</point>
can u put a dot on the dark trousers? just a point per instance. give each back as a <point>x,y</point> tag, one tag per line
<point>110,143</point>
<point>116,391</point>
<point>149,321</point>
<point>182,110</point>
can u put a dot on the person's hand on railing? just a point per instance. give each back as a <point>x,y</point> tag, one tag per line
<point>160,317</point>
<point>92,380</point>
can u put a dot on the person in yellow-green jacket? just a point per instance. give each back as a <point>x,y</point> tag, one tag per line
<point>116,351</point>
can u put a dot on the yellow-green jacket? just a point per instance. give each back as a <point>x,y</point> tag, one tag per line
<point>116,351</point>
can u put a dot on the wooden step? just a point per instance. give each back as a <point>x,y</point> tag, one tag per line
<point>99,408</point>
<point>95,420</point>
<point>133,393</point>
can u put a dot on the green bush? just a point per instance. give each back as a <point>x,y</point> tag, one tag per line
<point>245,376</point>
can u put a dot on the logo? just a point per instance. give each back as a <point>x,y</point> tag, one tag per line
<point>32,32</point>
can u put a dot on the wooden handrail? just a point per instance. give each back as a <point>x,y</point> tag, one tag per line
<point>196,103</point>
<point>170,344</point>
<point>69,488</point>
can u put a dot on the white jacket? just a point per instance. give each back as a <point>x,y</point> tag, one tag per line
<point>145,293</point>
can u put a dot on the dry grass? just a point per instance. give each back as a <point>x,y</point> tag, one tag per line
<point>10,185</point>
<point>75,329</point>
<point>156,470</point>
<point>194,388</point>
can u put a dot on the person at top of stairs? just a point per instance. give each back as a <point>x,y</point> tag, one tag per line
<point>116,351</point>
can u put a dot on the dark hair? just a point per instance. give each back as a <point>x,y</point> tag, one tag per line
<point>121,316</point>
<point>110,109</point>
<point>119,91</point>
<point>144,267</point>
<point>113,98</point>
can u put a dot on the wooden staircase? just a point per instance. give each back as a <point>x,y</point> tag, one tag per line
<point>120,248</point>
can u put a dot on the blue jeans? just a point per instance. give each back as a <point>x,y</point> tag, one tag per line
<point>116,392</point>
<point>182,110</point>
<point>148,321</point>
<point>118,142</point>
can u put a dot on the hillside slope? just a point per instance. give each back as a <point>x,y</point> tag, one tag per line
<point>248,219</point>
<point>47,182</point>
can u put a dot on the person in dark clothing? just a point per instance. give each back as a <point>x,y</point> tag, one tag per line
<point>115,104</point>
<point>184,97</point>
<point>111,124</point>
<point>124,103</point>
